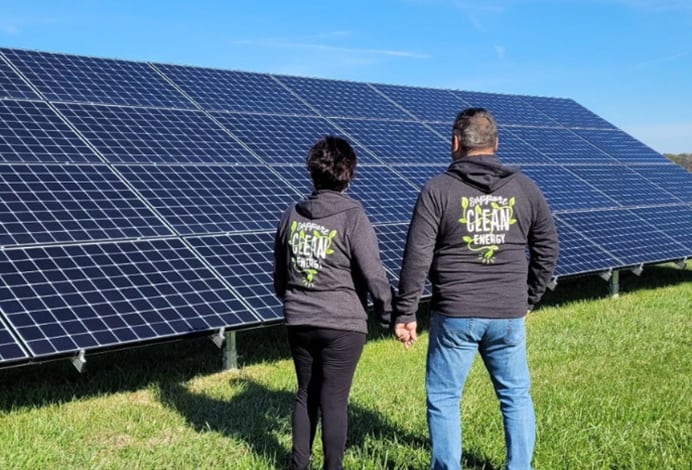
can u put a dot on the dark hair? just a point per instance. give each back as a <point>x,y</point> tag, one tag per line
<point>475,128</point>
<point>331,163</point>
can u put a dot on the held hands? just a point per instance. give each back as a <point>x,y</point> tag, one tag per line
<point>406,333</point>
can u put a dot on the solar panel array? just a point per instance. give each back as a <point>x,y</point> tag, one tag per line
<point>138,201</point>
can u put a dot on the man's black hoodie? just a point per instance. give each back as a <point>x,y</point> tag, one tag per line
<point>326,260</point>
<point>470,231</point>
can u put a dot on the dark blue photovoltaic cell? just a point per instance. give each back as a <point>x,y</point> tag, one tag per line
<point>508,110</point>
<point>673,178</point>
<point>386,197</point>
<point>61,299</point>
<point>245,261</point>
<point>391,240</point>
<point>282,139</point>
<point>624,185</point>
<point>625,236</point>
<point>395,142</point>
<point>620,146</point>
<point>418,175</point>
<point>12,86</point>
<point>338,98</point>
<point>567,112</point>
<point>226,90</point>
<point>10,349</point>
<point>578,254</point>
<point>148,135</point>
<point>68,203</point>
<point>673,221</point>
<point>514,151</point>
<point>561,145</point>
<point>427,104</point>
<point>32,132</point>
<point>197,200</point>
<point>72,78</point>
<point>564,190</point>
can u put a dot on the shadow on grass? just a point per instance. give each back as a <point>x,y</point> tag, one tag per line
<point>258,416</point>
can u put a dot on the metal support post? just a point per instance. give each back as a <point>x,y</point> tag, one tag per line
<point>614,284</point>
<point>230,352</point>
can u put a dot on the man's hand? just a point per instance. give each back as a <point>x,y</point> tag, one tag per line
<point>406,333</point>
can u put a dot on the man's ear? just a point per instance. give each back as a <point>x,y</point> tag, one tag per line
<point>456,146</point>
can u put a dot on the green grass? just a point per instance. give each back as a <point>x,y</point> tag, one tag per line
<point>611,386</point>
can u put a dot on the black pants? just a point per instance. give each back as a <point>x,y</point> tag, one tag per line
<point>325,361</point>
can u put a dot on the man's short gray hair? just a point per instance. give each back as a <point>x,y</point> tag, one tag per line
<point>475,128</point>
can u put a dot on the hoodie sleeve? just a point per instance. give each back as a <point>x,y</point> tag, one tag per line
<point>366,259</point>
<point>418,254</point>
<point>281,257</point>
<point>543,249</point>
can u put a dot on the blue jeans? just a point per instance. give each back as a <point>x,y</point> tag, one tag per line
<point>451,350</point>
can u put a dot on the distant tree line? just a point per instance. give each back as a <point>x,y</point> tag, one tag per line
<point>682,159</point>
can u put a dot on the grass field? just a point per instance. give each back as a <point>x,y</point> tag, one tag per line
<point>611,385</point>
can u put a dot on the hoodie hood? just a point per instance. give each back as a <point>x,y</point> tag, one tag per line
<point>323,203</point>
<point>484,172</point>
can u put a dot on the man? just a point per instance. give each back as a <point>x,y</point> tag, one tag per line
<point>470,232</point>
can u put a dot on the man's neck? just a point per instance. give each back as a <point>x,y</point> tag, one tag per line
<point>477,152</point>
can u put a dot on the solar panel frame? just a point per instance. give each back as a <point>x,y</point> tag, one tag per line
<point>71,78</point>
<point>245,261</point>
<point>508,110</point>
<point>30,131</point>
<point>199,199</point>
<point>63,299</point>
<point>567,112</point>
<point>154,135</point>
<point>673,178</point>
<point>11,350</point>
<point>234,91</point>
<point>12,86</point>
<point>426,104</point>
<point>51,203</point>
<point>341,98</point>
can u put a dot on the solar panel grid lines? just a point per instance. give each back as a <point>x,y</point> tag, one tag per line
<point>340,98</point>
<point>673,178</point>
<point>32,132</point>
<point>70,78</point>
<point>12,85</point>
<point>245,262</point>
<point>578,254</point>
<point>567,112</point>
<point>508,110</point>
<point>151,135</point>
<point>391,241</point>
<point>426,104</point>
<point>203,199</point>
<point>625,236</point>
<point>561,145</point>
<point>11,349</point>
<point>62,299</point>
<point>53,203</point>
<point>226,90</point>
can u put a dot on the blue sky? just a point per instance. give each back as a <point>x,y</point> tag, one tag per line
<point>629,61</point>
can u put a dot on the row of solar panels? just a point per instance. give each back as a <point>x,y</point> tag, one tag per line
<point>138,201</point>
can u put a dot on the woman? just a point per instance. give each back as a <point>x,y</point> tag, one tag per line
<point>326,260</point>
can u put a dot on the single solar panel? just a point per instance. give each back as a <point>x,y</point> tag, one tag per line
<point>562,145</point>
<point>567,112</point>
<point>199,200</point>
<point>671,220</point>
<point>70,78</point>
<point>62,299</point>
<point>397,142</point>
<point>624,185</point>
<point>391,240</point>
<point>32,132</point>
<point>579,254</point>
<point>152,135</point>
<point>625,236</point>
<point>512,150</point>
<point>50,203</point>
<point>12,86</point>
<point>11,350</point>
<point>508,110</point>
<point>619,145</point>
<point>673,178</point>
<point>226,90</point>
<point>426,104</point>
<point>281,139</point>
<point>566,190</point>
<point>339,98</point>
<point>418,175</point>
<point>245,261</point>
